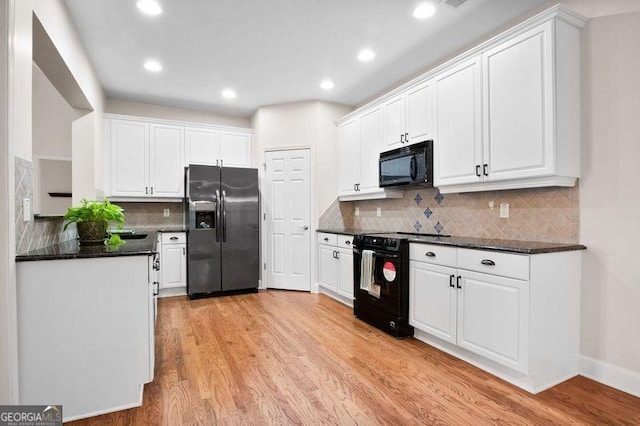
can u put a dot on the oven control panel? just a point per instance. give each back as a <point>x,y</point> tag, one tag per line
<point>373,242</point>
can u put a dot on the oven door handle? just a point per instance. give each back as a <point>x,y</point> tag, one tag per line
<point>376,254</point>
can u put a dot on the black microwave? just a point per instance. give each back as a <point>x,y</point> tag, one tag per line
<point>408,165</point>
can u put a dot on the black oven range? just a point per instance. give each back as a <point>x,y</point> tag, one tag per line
<point>381,281</point>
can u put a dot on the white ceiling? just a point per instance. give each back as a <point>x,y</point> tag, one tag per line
<point>273,51</point>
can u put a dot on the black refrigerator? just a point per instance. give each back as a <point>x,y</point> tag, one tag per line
<point>223,222</point>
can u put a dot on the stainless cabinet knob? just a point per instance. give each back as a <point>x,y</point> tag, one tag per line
<point>305,227</point>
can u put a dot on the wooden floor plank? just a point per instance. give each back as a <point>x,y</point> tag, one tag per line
<point>279,357</point>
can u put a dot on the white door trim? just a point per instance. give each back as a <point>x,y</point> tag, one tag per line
<point>313,218</point>
<point>8,303</point>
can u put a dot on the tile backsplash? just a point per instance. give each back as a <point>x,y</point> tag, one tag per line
<point>536,214</point>
<point>149,215</point>
<point>39,233</point>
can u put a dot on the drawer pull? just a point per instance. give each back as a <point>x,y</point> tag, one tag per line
<point>451,277</point>
<point>488,262</point>
<point>173,238</point>
<point>458,281</point>
<point>326,238</point>
<point>430,254</point>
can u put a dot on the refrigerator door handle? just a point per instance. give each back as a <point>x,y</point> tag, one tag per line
<point>217,215</point>
<point>224,216</point>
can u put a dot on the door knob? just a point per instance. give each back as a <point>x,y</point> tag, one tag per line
<point>305,227</point>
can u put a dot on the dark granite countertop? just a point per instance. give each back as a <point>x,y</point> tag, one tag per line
<point>348,231</point>
<point>173,229</point>
<point>73,250</point>
<point>509,246</point>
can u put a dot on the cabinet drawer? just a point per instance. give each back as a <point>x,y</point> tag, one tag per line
<point>331,239</point>
<point>495,263</point>
<point>345,241</point>
<point>174,238</point>
<point>433,254</point>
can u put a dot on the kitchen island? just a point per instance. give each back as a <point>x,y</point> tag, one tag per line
<point>86,318</point>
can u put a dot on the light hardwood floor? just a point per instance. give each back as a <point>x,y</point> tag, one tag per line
<point>281,357</point>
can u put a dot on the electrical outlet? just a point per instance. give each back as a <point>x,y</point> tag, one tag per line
<point>504,210</point>
<point>492,204</point>
<point>379,212</point>
<point>26,209</point>
<point>357,211</point>
<point>167,213</point>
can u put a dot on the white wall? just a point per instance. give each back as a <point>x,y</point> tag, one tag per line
<point>8,335</point>
<point>309,123</point>
<point>57,22</point>
<point>610,193</point>
<point>51,117</point>
<point>138,109</point>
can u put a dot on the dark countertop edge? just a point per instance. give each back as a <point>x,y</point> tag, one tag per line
<point>347,231</point>
<point>552,248</point>
<point>451,242</point>
<point>32,258</point>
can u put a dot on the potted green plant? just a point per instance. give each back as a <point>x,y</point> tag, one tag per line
<point>92,219</point>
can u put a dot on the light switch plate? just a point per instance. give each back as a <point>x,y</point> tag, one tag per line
<point>167,212</point>
<point>504,210</point>
<point>379,212</point>
<point>26,209</point>
<point>357,211</point>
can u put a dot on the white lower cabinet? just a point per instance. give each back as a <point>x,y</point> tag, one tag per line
<point>514,315</point>
<point>173,263</point>
<point>335,266</point>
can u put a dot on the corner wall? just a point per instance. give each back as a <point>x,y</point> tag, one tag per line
<point>610,201</point>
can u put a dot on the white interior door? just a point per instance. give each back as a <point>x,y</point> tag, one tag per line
<point>287,204</point>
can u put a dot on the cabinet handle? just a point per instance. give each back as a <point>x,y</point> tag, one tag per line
<point>478,170</point>
<point>156,286</point>
<point>348,242</point>
<point>485,169</point>
<point>146,190</point>
<point>401,138</point>
<point>355,187</point>
<point>173,238</point>
<point>326,238</point>
<point>406,137</point>
<point>488,262</point>
<point>430,254</point>
<point>337,255</point>
<point>451,277</point>
<point>152,190</point>
<point>184,251</point>
<point>458,281</point>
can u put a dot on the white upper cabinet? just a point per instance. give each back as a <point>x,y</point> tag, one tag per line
<point>202,146</point>
<point>419,122</point>
<point>145,158</point>
<point>166,147</point>
<point>359,144</point>
<point>408,117</point>
<point>348,157</point>
<point>129,158</point>
<point>503,115</point>
<point>235,148</point>
<point>518,106</point>
<point>458,142</point>
<point>394,126</point>
<point>370,144</point>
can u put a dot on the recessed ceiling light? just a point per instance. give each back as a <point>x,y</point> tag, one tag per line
<point>424,11</point>
<point>153,66</point>
<point>228,93</point>
<point>327,84</point>
<point>366,55</point>
<point>150,7</point>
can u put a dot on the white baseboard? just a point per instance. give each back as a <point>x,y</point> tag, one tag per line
<point>610,375</point>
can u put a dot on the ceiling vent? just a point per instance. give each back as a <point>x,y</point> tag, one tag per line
<point>453,3</point>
